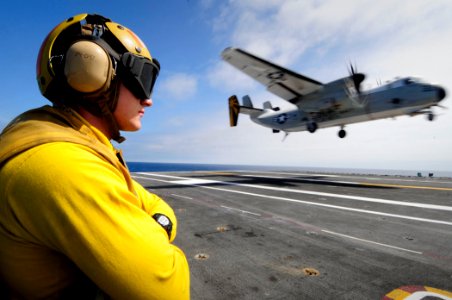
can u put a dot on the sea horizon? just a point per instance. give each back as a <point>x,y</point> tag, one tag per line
<point>188,167</point>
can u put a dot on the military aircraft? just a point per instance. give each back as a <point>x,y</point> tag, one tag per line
<point>318,105</point>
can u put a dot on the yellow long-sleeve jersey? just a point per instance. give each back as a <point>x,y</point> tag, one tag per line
<point>71,215</point>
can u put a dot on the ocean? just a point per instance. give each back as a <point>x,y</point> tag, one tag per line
<point>188,167</point>
<point>180,167</point>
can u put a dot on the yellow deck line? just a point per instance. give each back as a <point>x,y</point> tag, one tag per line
<point>407,186</point>
<point>226,173</point>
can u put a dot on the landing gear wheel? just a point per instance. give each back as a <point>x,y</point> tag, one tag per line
<point>342,133</point>
<point>430,116</point>
<point>312,127</point>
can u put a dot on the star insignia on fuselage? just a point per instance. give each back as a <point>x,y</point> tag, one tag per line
<point>281,119</point>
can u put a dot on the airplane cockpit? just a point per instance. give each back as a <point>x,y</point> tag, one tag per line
<point>398,82</point>
<point>405,81</point>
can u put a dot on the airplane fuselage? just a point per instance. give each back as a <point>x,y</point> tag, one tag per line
<point>318,105</point>
<point>338,107</point>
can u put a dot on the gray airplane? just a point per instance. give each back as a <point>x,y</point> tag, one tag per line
<point>318,105</point>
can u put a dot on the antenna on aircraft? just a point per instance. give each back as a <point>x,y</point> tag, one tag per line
<point>285,135</point>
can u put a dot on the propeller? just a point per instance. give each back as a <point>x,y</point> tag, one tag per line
<point>354,86</point>
<point>357,78</point>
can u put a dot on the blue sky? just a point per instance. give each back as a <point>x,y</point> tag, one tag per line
<point>189,119</point>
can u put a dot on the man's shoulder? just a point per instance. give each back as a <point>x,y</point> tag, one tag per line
<point>55,157</point>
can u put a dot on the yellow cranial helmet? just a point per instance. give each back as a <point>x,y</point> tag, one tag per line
<point>85,53</point>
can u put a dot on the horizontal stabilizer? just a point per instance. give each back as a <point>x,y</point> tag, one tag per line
<point>254,112</point>
<point>248,109</point>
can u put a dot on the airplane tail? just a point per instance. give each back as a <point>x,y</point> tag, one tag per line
<point>247,101</point>
<point>234,110</point>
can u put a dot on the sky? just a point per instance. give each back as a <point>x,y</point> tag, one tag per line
<point>189,122</point>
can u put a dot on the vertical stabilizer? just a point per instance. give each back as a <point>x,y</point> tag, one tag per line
<point>267,105</point>
<point>247,101</point>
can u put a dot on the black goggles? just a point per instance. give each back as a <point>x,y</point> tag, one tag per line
<point>139,74</point>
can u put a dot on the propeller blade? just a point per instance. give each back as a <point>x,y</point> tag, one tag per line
<point>357,78</point>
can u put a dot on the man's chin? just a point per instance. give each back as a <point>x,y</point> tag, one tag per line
<point>131,128</point>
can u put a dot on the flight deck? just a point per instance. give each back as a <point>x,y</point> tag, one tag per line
<point>296,235</point>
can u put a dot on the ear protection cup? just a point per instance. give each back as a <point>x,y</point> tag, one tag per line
<point>88,67</point>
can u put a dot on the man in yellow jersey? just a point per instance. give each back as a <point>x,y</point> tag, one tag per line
<point>73,223</point>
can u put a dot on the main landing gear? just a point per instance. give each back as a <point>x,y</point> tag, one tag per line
<point>342,133</point>
<point>312,127</point>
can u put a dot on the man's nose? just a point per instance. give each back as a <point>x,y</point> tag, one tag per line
<point>146,102</point>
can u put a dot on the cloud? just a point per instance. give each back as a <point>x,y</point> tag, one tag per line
<point>284,30</point>
<point>223,76</point>
<point>178,86</point>
<point>312,38</point>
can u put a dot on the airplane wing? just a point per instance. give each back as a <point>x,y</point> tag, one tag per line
<point>282,82</point>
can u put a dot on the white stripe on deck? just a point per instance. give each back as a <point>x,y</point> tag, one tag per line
<point>369,241</point>
<point>306,202</point>
<point>191,181</point>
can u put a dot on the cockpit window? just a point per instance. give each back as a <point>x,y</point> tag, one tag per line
<point>409,81</point>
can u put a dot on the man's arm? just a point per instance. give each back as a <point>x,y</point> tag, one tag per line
<point>156,206</point>
<point>85,211</point>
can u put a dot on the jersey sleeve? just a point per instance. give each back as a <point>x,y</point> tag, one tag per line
<point>153,204</point>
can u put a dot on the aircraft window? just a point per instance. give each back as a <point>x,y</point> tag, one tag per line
<point>409,81</point>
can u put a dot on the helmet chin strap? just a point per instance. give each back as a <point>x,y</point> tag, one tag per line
<point>107,107</point>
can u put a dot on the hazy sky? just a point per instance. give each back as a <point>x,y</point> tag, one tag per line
<point>189,120</point>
